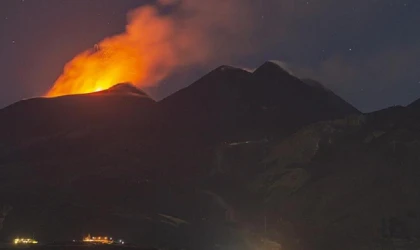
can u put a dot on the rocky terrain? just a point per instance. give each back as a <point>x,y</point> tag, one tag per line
<point>237,160</point>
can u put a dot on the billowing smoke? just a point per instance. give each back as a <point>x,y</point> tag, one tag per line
<point>159,39</point>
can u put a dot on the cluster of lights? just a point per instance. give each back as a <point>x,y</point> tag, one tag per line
<point>104,240</point>
<point>25,241</point>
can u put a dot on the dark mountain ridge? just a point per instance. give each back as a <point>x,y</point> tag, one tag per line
<point>51,115</point>
<point>255,104</point>
<point>179,172</point>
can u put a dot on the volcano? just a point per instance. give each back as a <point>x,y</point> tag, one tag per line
<point>191,170</point>
<point>238,104</point>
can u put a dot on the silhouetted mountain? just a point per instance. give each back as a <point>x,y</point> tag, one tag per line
<point>179,172</point>
<point>233,103</point>
<point>297,96</point>
<point>124,88</point>
<point>40,117</point>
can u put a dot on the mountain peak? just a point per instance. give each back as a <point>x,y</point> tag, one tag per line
<point>225,68</point>
<point>272,66</point>
<point>126,89</point>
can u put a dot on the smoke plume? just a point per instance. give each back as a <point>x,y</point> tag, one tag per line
<point>158,39</point>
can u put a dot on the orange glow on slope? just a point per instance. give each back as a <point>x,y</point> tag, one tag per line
<point>142,56</point>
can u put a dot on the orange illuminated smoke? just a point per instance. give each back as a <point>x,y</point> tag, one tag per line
<point>93,71</point>
<point>142,55</point>
<point>156,43</point>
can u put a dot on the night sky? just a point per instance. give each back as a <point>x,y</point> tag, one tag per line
<point>367,51</point>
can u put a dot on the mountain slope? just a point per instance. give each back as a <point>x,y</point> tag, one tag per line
<point>345,184</point>
<point>117,162</point>
<point>415,104</point>
<point>300,95</point>
<point>45,116</point>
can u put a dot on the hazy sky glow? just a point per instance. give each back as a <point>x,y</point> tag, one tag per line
<point>367,51</point>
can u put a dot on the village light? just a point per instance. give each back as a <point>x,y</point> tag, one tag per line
<point>103,240</point>
<point>24,241</point>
